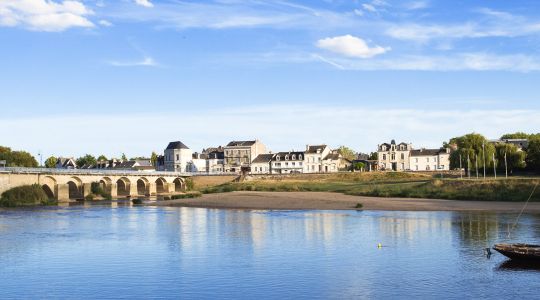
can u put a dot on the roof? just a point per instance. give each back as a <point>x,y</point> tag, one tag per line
<point>176,145</point>
<point>314,148</point>
<point>240,143</point>
<point>332,156</point>
<point>282,155</point>
<point>427,152</point>
<point>263,158</point>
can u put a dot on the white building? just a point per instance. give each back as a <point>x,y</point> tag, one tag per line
<point>287,163</point>
<point>177,157</point>
<point>430,159</point>
<point>262,164</point>
<point>198,163</point>
<point>394,157</point>
<point>314,156</point>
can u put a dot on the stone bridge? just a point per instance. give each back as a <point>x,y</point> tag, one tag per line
<point>69,185</point>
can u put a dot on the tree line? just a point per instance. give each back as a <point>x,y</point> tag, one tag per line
<point>474,152</point>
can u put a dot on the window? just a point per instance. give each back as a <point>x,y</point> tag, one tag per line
<point>177,157</point>
<point>416,160</point>
<point>393,156</point>
<point>293,157</point>
<point>286,157</point>
<point>300,157</point>
<point>416,167</point>
<point>278,158</point>
<point>319,159</point>
<point>300,163</point>
<point>294,164</point>
<point>384,156</point>
<point>402,156</point>
<point>427,159</point>
<point>286,164</point>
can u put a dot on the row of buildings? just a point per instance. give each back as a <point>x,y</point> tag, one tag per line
<point>251,157</point>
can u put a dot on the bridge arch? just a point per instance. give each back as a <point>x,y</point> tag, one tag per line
<point>179,185</point>
<point>75,188</point>
<point>143,186</point>
<point>123,186</point>
<point>48,184</point>
<point>162,186</point>
<point>106,184</point>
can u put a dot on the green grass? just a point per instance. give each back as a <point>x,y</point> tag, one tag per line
<point>26,195</point>
<point>186,196</point>
<point>403,185</point>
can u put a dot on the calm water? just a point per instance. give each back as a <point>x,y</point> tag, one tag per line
<point>143,252</point>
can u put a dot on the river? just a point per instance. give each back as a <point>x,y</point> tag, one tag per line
<point>192,253</point>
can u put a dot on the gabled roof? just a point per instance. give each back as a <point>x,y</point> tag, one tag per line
<point>240,143</point>
<point>314,148</point>
<point>332,156</point>
<point>263,158</point>
<point>176,145</point>
<point>282,156</point>
<point>427,152</point>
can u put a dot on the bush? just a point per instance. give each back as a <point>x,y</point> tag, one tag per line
<point>359,206</point>
<point>89,197</point>
<point>26,195</point>
<point>186,196</point>
<point>137,201</point>
<point>189,184</point>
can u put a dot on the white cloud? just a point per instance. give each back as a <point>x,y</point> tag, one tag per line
<point>44,15</point>
<point>415,5</point>
<point>105,23</point>
<point>351,46</point>
<point>145,62</point>
<point>428,128</point>
<point>369,7</point>
<point>145,3</point>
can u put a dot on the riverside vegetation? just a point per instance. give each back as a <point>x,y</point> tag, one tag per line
<point>26,195</point>
<point>405,185</point>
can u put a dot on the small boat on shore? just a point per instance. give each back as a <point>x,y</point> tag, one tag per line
<point>521,252</point>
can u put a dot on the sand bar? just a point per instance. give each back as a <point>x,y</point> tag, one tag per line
<point>336,201</point>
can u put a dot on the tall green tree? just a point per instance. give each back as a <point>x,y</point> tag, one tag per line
<point>373,156</point>
<point>154,158</point>
<point>124,157</point>
<point>476,148</point>
<point>51,162</point>
<point>515,158</point>
<point>86,160</point>
<point>533,154</point>
<point>102,158</point>
<point>515,135</point>
<point>17,158</point>
<point>347,152</point>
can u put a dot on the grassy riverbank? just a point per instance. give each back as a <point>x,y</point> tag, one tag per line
<point>403,185</point>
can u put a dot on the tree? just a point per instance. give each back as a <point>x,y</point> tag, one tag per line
<point>516,135</point>
<point>533,154</point>
<point>347,153</point>
<point>359,166</point>
<point>515,158</point>
<point>17,158</point>
<point>102,158</point>
<point>374,156</point>
<point>475,147</point>
<point>51,162</point>
<point>154,158</point>
<point>87,160</point>
<point>124,157</point>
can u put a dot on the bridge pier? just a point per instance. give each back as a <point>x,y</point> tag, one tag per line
<point>133,191</point>
<point>87,189</point>
<point>114,191</point>
<point>152,190</point>
<point>62,192</point>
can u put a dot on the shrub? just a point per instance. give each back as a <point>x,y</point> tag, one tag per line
<point>137,201</point>
<point>26,195</point>
<point>359,206</point>
<point>89,197</point>
<point>189,184</point>
<point>186,196</point>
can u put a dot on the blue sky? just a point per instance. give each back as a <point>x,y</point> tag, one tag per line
<point>130,75</point>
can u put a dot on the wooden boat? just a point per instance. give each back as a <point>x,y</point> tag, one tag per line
<point>522,252</point>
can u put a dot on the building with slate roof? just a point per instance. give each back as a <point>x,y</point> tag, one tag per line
<point>177,157</point>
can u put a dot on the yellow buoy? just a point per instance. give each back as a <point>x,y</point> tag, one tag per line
<point>379,245</point>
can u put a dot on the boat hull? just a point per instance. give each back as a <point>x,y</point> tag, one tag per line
<point>521,252</point>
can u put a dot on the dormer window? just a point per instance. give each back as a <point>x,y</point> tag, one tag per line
<point>278,158</point>
<point>293,157</point>
<point>286,157</point>
<point>300,157</point>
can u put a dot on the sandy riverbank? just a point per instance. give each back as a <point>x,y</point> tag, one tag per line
<point>336,201</point>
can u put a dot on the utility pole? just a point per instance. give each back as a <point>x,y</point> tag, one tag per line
<point>468,166</point>
<point>494,166</point>
<point>460,168</point>
<point>484,157</point>
<point>476,162</point>
<point>505,165</point>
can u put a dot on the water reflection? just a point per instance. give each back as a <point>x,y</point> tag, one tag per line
<point>205,253</point>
